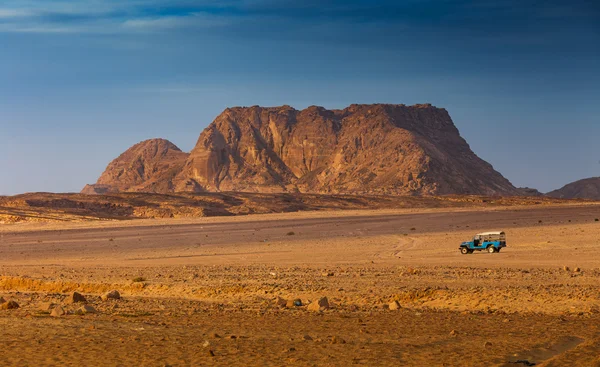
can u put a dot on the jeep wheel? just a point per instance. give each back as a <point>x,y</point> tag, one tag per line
<point>464,250</point>
<point>491,249</point>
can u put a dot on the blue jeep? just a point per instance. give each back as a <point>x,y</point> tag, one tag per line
<point>488,241</point>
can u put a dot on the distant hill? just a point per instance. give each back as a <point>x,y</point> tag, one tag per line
<point>588,188</point>
<point>149,166</point>
<point>362,149</point>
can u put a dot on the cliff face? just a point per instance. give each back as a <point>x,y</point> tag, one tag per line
<point>588,188</point>
<point>392,149</point>
<point>149,166</point>
<point>375,149</point>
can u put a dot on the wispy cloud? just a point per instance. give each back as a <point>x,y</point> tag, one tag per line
<point>151,16</point>
<point>109,16</point>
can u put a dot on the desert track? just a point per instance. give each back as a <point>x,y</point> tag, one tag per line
<point>205,289</point>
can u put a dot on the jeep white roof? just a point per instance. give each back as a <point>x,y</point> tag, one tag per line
<point>490,233</point>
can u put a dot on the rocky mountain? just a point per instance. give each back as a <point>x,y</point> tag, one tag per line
<point>149,166</point>
<point>588,188</point>
<point>364,149</point>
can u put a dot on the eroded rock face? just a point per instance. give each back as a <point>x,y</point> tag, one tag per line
<point>363,149</point>
<point>588,188</point>
<point>378,149</point>
<point>149,166</point>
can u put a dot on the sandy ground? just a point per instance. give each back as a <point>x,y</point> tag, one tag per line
<point>204,291</point>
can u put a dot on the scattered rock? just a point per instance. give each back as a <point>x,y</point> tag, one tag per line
<point>85,309</point>
<point>487,344</point>
<point>328,274</point>
<point>336,340</point>
<point>114,294</point>
<point>281,302</point>
<point>394,305</point>
<point>58,311</point>
<point>321,304</point>
<point>10,305</point>
<point>566,268</point>
<point>211,353</point>
<point>2,300</point>
<point>307,337</point>
<point>76,297</point>
<point>577,270</point>
<point>454,333</point>
<point>46,306</point>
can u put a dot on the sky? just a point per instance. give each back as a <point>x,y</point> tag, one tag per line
<point>81,81</point>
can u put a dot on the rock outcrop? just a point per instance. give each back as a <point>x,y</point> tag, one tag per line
<point>588,188</point>
<point>376,149</point>
<point>149,166</point>
<point>363,149</point>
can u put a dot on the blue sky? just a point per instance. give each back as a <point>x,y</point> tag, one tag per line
<point>81,81</point>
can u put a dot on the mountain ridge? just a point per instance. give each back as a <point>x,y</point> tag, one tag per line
<point>587,188</point>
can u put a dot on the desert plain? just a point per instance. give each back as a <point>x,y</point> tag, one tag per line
<point>241,290</point>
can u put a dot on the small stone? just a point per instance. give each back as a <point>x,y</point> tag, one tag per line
<point>215,336</point>
<point>336,340</point>
<point>328,274</point>
<point>46,306</point>
<point>58,311</point>
<point>577,270</point>
<point>281,302</point>
<point>394,305</point>
<point>76,297</point>
<point>487,344</point>
<point>114,294</point>
<point>566,268</point>
<point>454,333</point>
<point>307,337</point>
<point>10,305</point>
<point>211,353</point>
<point>2,300</point>
<point>320,305</point>
<point>85,309</point>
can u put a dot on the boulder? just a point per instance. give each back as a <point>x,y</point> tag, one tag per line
<point>394,305</point>
<point>321,304</point>
<point>114,294</point>
<point>76,297</point>
<point>58,311</point>
<point>46,306</point>
<point>281,302</point>
<point>85,309</point>
<point>10,305</point>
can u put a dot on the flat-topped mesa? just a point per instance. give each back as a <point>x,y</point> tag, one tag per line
<point>149,166</point>
<point>378,149</point>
